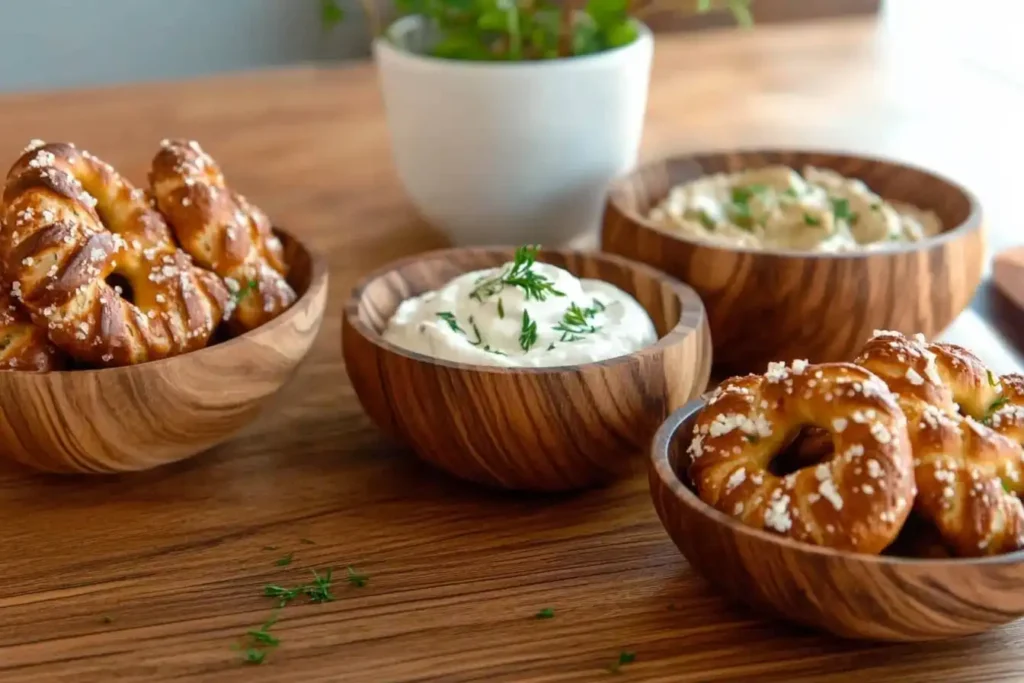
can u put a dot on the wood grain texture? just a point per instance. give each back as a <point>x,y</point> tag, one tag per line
<point>175,555</point>
<point>1008,274</point>
<point>766,305</point>
<point>849,594</point>
<point>536,429</point>
<point>142,416</point>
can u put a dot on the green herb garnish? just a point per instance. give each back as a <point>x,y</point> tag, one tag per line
<point>519,274</point>
<point>285,561</point>
<point>244,291</point>
<point>546,613</point>
<point>625,657</point>
<point>876,207</point>
<point>501,308</point>
<point>260,640</point>
<point>356,579</point>
<point>476,331</point>
<point>528,334</point>
<point>496,352</point>
<point>993,409</point>
<point>841,209</point>
<point>992,381</point>
<point>811,219</point>
<point>576,322</point>
<point>598,305</point>
<point>740,214</point>
<point>751,438</point>
<point>318,591</point>
<point>743,194</point>
<point>551,346</point>
<point>449,318</point>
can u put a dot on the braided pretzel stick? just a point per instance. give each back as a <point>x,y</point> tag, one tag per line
<point>857,500</point>
<point>965,425</point>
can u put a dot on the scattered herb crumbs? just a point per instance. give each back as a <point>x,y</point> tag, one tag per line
<point>501,308</point>
<point>810,219</point>
<point>356,579</point>
<point>476,331</point>
<point>743,194</point>
<point>261,640</point>
<point>876,207</point>
<point>994,408</point>
<point>318,591</point>
<point>992,379</point>
<point>244,290</point>
<point>751,438</point>
<point>546,613</point>
<point>551,346</point>
<point>625,657</point>
<point>254,656</point>
<point>841,209</point>
<point>285,561</point>
<point>1006,486</point>
<point>528,334</point>
<point>449,318</point>
<point>707,221</point>
<point>598,305</point>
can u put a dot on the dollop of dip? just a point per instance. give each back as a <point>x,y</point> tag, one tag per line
<point>522,314</point>
<point>776,208</point>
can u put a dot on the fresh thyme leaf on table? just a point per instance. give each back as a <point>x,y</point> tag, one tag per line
<point>546,613</point>
<point>356,578</point>
<point>317,591</point>
<point>285,561</point>
<point>625,657</point>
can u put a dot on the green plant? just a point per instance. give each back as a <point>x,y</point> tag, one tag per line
<point>517,30</point>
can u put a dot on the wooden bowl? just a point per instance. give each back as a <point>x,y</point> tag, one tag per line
<point>875,597</point>
<point>764,305</point>
<point>142,416</point>
<point>539,429</point>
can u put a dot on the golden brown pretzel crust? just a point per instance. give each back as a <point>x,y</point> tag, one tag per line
<point>857,500</point>
<point>222,231</point>
<point>69,221</point>
<point>23,346</point>
<point>961,464</point>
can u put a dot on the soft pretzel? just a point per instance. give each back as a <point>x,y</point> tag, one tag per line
<point>857,500</point>
<point>966,471</point>
<point>23,346</point>
<point>222,231</point>
<point>69,222</point>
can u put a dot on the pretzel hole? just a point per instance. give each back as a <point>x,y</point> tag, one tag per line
<point>121,286</point>
<point>811,446</point>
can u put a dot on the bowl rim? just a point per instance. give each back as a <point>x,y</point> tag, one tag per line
<point>689,301</point>
<point>659,462</point>
<point>971,223</point>
<point>318,273</point>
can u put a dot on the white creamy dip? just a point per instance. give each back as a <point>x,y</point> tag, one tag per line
<point>478,318</point>
<point>777,208</point>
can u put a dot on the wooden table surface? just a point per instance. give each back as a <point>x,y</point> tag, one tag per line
<point>155,576</point>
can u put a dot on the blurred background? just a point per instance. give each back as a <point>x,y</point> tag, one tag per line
<point>47,44</point>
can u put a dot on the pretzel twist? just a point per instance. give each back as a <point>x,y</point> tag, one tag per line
<point>23,346</point>
<point>966,470</point>
<point>858,500</point>
<point>222,231</point>
<point>69,222</point>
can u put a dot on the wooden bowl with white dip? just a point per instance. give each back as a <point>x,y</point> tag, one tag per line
<point>543,371</point>
<point>785,281</point>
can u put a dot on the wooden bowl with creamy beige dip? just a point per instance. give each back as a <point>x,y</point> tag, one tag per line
<point>524,369</point>
<point>802,254</point>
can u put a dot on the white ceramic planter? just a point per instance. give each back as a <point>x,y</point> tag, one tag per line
<point>512,153</point>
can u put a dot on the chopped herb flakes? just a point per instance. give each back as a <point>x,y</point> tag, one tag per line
<point>449,318</point>
<point>625,657</point>
<point>285,561</point>
<point>521,275</point>
<point>357,579</point>
<point>528,335</point>
<point>810,219</point>
<point>994,408</point>
<point>546,613</point>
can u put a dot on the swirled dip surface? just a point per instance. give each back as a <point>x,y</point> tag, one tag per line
<point>549,318</point>
<point>777,208</point>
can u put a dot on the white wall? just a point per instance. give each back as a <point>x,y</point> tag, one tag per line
<point>67,43</point>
